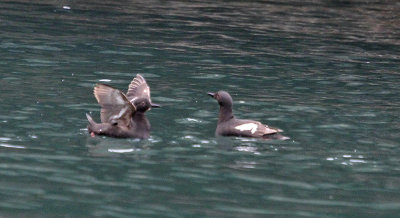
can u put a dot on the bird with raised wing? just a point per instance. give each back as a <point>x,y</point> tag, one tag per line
<point>123,116</point>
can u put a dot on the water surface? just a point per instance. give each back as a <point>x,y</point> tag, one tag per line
<point>324,71</point>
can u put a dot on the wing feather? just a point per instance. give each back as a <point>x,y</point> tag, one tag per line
<point>138,88</point>
<point>253,128</point>
<point>115,107</point>
<point>267,130</point>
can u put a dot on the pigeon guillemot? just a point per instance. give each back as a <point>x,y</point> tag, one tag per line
<point>228,125</point>
<point>123,116</point>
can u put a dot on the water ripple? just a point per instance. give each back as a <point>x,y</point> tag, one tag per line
<point>326,72</point>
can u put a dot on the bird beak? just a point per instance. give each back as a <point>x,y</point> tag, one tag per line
<point>211,94</point>
<point>155,105</point>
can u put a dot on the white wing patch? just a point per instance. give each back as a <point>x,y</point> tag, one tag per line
<point>133,99</point>
<point>120,100</point>
<point>247,127</point>
<point>123,110</point>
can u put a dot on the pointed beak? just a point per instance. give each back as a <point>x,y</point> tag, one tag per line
<point>211,94</point>
<point>155,105</point>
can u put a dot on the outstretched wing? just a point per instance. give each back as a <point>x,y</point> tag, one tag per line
<point>115,107</point>
<point>138,89</point>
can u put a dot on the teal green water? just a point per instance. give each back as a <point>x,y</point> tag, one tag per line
<point>326,72</point>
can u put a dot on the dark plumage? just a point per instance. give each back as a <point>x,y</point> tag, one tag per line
<point>228,125</point>
<point>123,116</point>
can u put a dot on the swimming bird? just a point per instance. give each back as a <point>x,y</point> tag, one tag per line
<point>123,115</point>
<point>228,125</point>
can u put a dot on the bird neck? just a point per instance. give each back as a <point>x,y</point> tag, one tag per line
<point>225,113</point>
<point>140,122</point>
<point>139,116</point>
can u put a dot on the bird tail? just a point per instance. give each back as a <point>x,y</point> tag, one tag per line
<point>276,136</point>
<point>91,123</point>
